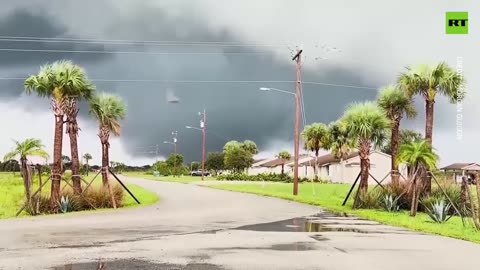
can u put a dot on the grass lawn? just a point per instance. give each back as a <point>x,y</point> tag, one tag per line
<point>185,179</point>
<point>331,196</point>
<point>12,193</point>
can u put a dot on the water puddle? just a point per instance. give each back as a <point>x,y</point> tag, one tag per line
<point>323,222</point>
<point>136,264</point>
<point>296,246</point>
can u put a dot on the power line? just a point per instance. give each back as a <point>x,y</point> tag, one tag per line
<point>211,81</point>
<point>130,52</point>
<point>239,43</point>
<point>133,42</point>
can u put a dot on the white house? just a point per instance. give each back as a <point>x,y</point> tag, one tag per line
<point>346,171</point>
<point>257,167</point>
<point>305,167</point>
<point>462,169</point>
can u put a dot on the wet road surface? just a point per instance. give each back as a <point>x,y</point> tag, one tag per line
<point>194,227</point>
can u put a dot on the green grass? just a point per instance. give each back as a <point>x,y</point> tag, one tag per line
<point>185,179</point>
<point>12,193</point>
<point>331,196</point>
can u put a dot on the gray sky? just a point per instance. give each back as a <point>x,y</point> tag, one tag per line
<point>377,40</point>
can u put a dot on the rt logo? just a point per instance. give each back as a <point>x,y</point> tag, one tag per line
<point>457,22</point>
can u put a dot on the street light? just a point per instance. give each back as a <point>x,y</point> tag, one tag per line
<point>203,130</point>
<point>174,143</point>
<point>189,127</point>
<point>296,133</point>
<point>277,90</point>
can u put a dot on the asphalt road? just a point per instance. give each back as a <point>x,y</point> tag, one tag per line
<point>195,227</point>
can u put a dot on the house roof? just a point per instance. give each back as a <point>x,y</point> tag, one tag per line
<point>273,163</point>
<point>329,158</point>
<point>304,161</point>
<point>278,161</point>
<point>462,166</point>
<point>260,162</point>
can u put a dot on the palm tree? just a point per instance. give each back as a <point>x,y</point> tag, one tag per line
<point>339,143</point>
<point>417,154</point>
<point>428,81</point>
<point>87,157</point>
<point>58,81</point>
<point>395,103</point>
<point>366,123</point>
<point>29,147</point>
<point>83,90</point>
<point>107,109</point>
<point>285,156</point>
<point>315,137</point>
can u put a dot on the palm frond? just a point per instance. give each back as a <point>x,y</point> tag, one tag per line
<point>108,109</point>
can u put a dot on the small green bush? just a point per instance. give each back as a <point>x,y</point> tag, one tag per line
<point>95,197</point>
<point>269,177</point>
<point>370,199</point>
<point>438,210</point>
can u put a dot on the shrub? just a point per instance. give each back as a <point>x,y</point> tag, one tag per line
<point>370,199</point>
<point>390,203</point>
<point>96,196</point>
<point>438,210</point>
<point>398,192</point>
<point>453,192</point>
<point>269,177</point>
<point>66,205</point>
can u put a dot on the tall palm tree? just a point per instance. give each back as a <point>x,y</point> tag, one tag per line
<point>429,81</point>
<point>395,103</point>
<point>57,81</point>
<point>315,137</point>
<point>339,143</point>
<point>108,110</point>
<point>366,123</point>
<point>417,154</point>
<point>29,147</point>
<point>87,158</point>
<point>285,156</point>
<point>83,91</point>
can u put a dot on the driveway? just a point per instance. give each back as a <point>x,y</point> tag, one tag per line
<point>195,227</point>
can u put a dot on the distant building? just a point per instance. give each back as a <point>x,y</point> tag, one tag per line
<point>346,171</point>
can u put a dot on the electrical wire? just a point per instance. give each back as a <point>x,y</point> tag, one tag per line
<point>211,81</point>
<point>236,43</point>
<point>131,52</point>
<point>143,43</point>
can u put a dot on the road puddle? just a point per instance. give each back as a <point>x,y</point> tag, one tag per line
<point>324,222</point>
<point>135,264</point>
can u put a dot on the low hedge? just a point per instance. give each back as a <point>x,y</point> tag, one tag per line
<point>270,177</point>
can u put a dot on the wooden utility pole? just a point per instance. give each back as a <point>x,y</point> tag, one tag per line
<point>298,90</point>
<point>203,126</point>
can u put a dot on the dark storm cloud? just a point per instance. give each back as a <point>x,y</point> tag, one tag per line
<point>26,23</point>
<point>234,110</point>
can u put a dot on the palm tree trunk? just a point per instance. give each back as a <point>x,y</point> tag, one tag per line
<point>283,169</point>
<point>315,166</point>
<point>57,161</point>
<point>88,167</point>
<point>395,139</point>
<point>75,167</point>
<point>40,184</point>
<point>429,138</point>
<point>413,209</point>
<point>26,182</point>
<point>105,164</point>
<point>364,164</point>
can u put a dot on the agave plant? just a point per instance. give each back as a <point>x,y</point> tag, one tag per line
<point>390,203</point>
<point>438,210</point>
<point>65,204</point>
